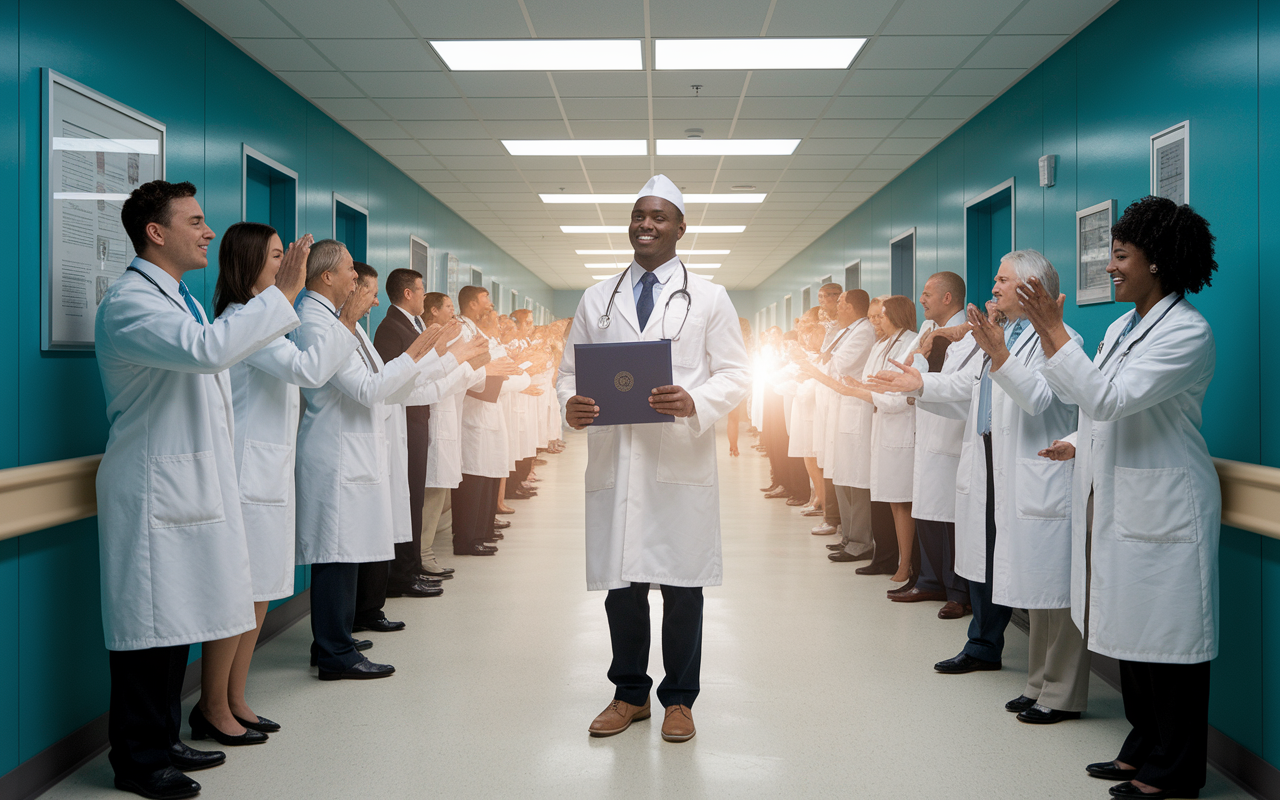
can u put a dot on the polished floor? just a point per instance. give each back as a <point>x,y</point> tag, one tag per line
<point>813,686</point>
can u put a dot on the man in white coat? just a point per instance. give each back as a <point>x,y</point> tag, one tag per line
<point>653,504</point>
<point>174,557</point>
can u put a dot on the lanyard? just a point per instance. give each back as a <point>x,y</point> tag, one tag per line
<point>1134,342</point>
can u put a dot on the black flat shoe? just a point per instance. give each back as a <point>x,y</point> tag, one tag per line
<point>165,784</point>
<point>965,663</point>
<point>189,759</point>
<point>261,724</point>
<point>1041,715</point>
<point>477,549</point>
<point>1020,704</point>
<point>202,728</point>
<point>1129,790</point>
<point>364,670</point>
<point>872,569</point>
<point>383,625</point>
<point>1107,770</point>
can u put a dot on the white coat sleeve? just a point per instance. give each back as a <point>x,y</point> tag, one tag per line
<point>894,403</point>
<point>1177,361</point>
<point>430,375</point>
<point>515,384</point>
<point>310,368</point>
<point>367,388</point>
<point>166,337</point>
<point>428,392</point>
<point>1027,386</point>
<point>730,379</point>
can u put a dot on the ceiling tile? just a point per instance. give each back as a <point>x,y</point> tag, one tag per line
<point>872,107</point>
<point>530,129</point>
<point>708,18</point>
<point>585,108</point>
<point>397,147</point>
<point>820,147</point>
<point>854,128</point>
<point>376,129</point>
<point>350,108</point>
<point>951,107</point>
<point>714,83</point>
<point>423,162</point>
<point>446,129</point>
<point>691,108</point>
<point>980,81</point>
<point>769,129</point>
<point>580,19</point>
<point>829,162</point>
<point>235,18</point>
<point>929,17</point>
<point>321,84</point>
<point>285,54</point>
<point>377,54</point>
<point>936,128</point>
<point>784,107</point>
<point>1054,16</point>
<point>436,108</point>
<point>503,84</point>
<point>904,146</point>
<point>1014,52</point>
<point>470,176</point>
<point>476,19</point>
<point>795,82</point>
<point>894,81</point>
<point>919,52</point>
<point>404,84</point>
<point>465,147</point>
<point>888,162</point>
<point>516,108</point>
<point>829,18</point>
<point>874,175</point>
<point>474,162</point>
<point>600,84</point>
<point>373,19</point>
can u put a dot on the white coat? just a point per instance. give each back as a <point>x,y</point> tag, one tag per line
<point>938,439</point>
<point>172,547</point>
<point>264,393</point>
<point>653,497</point>
<point>486,449</point>
<point>853,417</point>
<point>1147,587</point>
<point>893,428</point>
<point>343,471</point>
<point>444,450</point>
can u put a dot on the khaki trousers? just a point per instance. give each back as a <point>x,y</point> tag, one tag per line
<point>433,505</point>
<point>1057,661</point>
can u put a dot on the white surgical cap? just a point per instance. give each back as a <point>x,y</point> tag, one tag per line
<point>661,186</point>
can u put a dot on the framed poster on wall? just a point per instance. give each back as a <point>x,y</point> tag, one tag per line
<point>95,152</point>
<point>1093,253</point>
<point>1171,163</point>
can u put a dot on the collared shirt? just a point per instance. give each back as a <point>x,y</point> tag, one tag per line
<point>662,273</point>
<point>322,300</point>
<point>166,283</point>
<point>416,322</point>
<point>984,394</point>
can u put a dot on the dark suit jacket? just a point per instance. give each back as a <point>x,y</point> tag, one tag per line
<point>394,335</point>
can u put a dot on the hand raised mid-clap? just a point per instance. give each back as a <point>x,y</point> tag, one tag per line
<point>292,275</point>
<point>989,336</point>
<point>580,412</point>
<point>908,380</point>
<point>357,304</point>
<point>673,400</point>
<point>1045,315</point>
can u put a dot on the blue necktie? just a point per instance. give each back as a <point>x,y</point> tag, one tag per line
<point>984,394</point>
<point>192,306</point>
<point>644,306</point>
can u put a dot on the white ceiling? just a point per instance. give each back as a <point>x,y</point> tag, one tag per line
<point>929,65</point>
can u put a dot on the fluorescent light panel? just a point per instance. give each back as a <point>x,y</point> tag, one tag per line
<point>540,55</point>
<point>623,228</point>
<point>629,252</point>
<point>628,199</point>
<point>577,147</point>
<point>727,147</point>
<point>756,53</point>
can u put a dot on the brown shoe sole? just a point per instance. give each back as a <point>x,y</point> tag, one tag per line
<point>668,738</point>
<point>642,715</point>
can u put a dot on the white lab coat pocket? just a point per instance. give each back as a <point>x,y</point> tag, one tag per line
<point>1043,488</point>
<point>896,430</point>
<point>444,422</point>
<point>683,457</point>
<point>363,458</point>
<point>602,457</point>
<point>184,490</point>
<point>1155,505</point>
<point>849,415</point>
<point>948,437</point>
<point>266,473</point>
<point>689,350</point>
<point>964,475</point>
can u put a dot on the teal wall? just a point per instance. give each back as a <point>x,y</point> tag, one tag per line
<point>213,98</point>
<point>1143,66</point>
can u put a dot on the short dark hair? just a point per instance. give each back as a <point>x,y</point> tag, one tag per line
<point>1174,238</point>
<point>398,280</point>
<point>433,301</point>
<point>150,203</point>
<point>468,294</point>
<point>241,258</point>
<point>363,270</point>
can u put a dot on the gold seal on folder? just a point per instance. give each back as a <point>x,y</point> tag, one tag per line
<point>623,381</point>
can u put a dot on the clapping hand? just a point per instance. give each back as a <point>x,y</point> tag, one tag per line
<point>474,351</point>
<point>908,380</point>
<point>1059,451</point>
<point>1045,314</point>
<point>292,275</point>
<point>357,303</point>
<point>989,336</point>
<point>504,367</point>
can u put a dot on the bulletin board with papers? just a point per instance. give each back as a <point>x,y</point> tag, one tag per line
<point>1093,253</point>
<point>1171,163</point>
<point>95,152</point>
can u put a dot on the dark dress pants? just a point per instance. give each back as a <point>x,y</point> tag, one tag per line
<point>1168,707</point>
<point>885,535</point>
<point>146,708</point>
<point>474,504</point>
<point>333,612</point>
<point>629,631</point>
<point>371,590</point>
<point>937,543</point>
<point>986,629</point>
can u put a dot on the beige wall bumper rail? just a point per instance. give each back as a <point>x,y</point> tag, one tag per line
<point>57,492</point>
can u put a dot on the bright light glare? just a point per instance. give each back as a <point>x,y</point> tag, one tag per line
<point>728,147</point>
<point>144,146</point>
<point>756,53</point>
<point>577,147</point>
<point>623,228</point>
<point>540,55</point>
<point>628,252</point>
<point>628,199</point>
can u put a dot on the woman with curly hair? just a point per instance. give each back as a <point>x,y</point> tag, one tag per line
<point>1146,507</point>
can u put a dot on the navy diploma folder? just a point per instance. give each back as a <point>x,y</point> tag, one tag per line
<point>620,377</point>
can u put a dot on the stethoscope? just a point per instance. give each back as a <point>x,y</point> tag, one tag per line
<point>605,320</point>
<point>1134,342</point>
<point>167,296</point>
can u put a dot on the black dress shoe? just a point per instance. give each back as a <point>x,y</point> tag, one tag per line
<point>364,670</point>
<point>836,546</point>
<point>165,784</point>
<point>202,728</point>
<point>189,759</point>
<point>965,663</point>
<point>842,557</point>
<point>477,549</point>
<point>1019,704</point>
<point>872,569</point>
<point>416,589</point>
<point>1107,770</point>
<point>501,524</point>
<point>437,576</point>
<point>361,646</point>
<point>260,724</point>
<point>383,625</point>
<point>1129,790</point>
<point>1042,715</point>
<point>494,537</point>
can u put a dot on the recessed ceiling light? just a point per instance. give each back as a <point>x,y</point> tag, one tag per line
<point>576,147</point>
<point>629,252</point>
<point>727,147</point>
<point>540,55</point>
<point>623,228</point>
<point>743,187</point>
<point>629,199</point>
<point>756,53</point>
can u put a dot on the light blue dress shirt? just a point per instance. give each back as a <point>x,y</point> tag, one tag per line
<point>984,395</point>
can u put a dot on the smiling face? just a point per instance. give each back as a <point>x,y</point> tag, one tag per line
<point>341,280</point>
<point>1004,291</point>
<point>878,320</point>
<point>275,254</point>
<point>414,298</point>
<point>656,226</point>
<point>442,314</point>
<point>828,298</point>
<point>184,242</point>
<point>1131,274</point>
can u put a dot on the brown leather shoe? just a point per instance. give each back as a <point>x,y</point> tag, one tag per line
<point>618,717</point>
<point>678,726</point>
<point>916,595</point>
<point>953,610</point>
